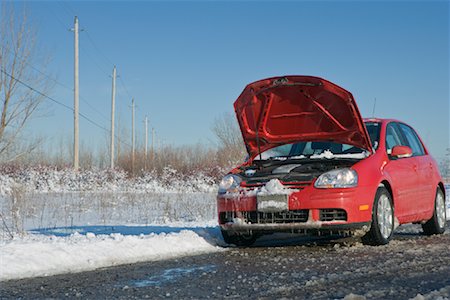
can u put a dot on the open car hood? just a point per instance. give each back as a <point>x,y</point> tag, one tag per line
<point>289,109</point>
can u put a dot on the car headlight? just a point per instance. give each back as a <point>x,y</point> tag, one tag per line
<point>229,184</point>
<point>341,178</point>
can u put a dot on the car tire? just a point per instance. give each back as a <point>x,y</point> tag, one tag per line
<point>436,225</point>
<point>238,239</point>
<point>382,227</point>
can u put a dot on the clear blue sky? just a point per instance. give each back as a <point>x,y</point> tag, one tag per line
<point>186,62</point>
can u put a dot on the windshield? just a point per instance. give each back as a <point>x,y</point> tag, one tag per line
<point>319,150</point>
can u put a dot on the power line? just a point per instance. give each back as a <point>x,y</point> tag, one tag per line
<point>60,84</point>
<point>68,10</point>
<point>95,62</point>
<point>57,17</point>
<point>57,102</point>
<point>36,91</point>
<point>122,83</point>
<point>91,40</point>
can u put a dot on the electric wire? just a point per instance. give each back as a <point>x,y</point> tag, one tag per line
<point>68,10</point>
<point>58,102</point>
<point>62,85</point>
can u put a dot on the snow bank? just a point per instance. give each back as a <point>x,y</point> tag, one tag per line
<point>45,180</point>
<point>41,255</point>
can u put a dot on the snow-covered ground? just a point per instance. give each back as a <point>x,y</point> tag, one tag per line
<point>64,222</point>
<point>67,230</point>
<point>87,248</point>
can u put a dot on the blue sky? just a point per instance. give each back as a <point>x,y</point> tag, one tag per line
<point>186,62</point>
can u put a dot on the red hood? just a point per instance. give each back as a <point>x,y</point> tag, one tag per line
<point>289,109</point>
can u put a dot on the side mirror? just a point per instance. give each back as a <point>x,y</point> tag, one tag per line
<point>401,152</point>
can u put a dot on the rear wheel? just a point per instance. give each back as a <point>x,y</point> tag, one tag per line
<point>436,225</point>
<point>382,227</point>
<point>238,239</point>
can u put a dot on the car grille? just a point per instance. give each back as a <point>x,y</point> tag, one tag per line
<point>333,215</point>
<point>292,216</point>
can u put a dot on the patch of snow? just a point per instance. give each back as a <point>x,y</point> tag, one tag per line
<point>352,296</point>
<point>330,155</point>
<point>275,187</point>
<point>441,294</point>
<point>41,255</point>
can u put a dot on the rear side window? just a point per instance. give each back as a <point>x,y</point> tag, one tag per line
<point>412,139</point>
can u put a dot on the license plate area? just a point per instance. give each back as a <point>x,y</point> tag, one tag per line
<point>272,203</point>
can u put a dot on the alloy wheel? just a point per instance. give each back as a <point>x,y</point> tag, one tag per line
<point>440,210</point>
<point>384,216</point>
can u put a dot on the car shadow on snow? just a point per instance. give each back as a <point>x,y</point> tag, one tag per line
<point>212,235</point>
<point>209,234</point>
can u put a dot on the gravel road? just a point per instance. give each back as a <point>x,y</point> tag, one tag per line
<point>276,267</point>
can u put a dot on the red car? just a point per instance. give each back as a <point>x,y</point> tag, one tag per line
<point>316,167</point>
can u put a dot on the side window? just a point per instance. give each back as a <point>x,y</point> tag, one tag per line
<point>393,137</point>
<point>373,129</point>
<point>412,140</point>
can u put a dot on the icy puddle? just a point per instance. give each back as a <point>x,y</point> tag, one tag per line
<point>171,275</point>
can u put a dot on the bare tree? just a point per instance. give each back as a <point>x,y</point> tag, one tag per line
<point>18,53</point>
<point>444,166</point>
<point>231,147</point>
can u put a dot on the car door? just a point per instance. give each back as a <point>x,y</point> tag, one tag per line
<point>425,190</point>
<point>403,173</point>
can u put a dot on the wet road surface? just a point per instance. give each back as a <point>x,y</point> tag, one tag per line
<point>286,267</point>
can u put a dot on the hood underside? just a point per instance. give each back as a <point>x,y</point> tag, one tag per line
<point>289,109</point>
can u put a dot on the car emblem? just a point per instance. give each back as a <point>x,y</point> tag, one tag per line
<point>250,172</point>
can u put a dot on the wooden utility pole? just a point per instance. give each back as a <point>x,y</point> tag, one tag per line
<point>113,107</point>
<point>132,136</point>
<point>146,143</point>
<point>75,99</point>
<point>118,138</point>
<point>153,144</point>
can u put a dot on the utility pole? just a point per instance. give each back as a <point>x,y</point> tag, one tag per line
<point>132,136</point>
<point>146,143</point>
<point>118,138</point>
<point>113,107</point>
<point>153,144</point>
<point>75,98</point>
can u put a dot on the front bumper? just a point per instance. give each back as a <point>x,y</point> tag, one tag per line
<point>356,229</point>
<point>309,210</point>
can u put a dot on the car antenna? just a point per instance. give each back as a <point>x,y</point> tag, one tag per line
<point>374,106</point>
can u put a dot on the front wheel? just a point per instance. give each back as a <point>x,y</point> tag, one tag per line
<point>382,227</point>
<point>238,239</point>
<point>436,225</point>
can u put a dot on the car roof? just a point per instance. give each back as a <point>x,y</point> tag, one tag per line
<point>381,120</point>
